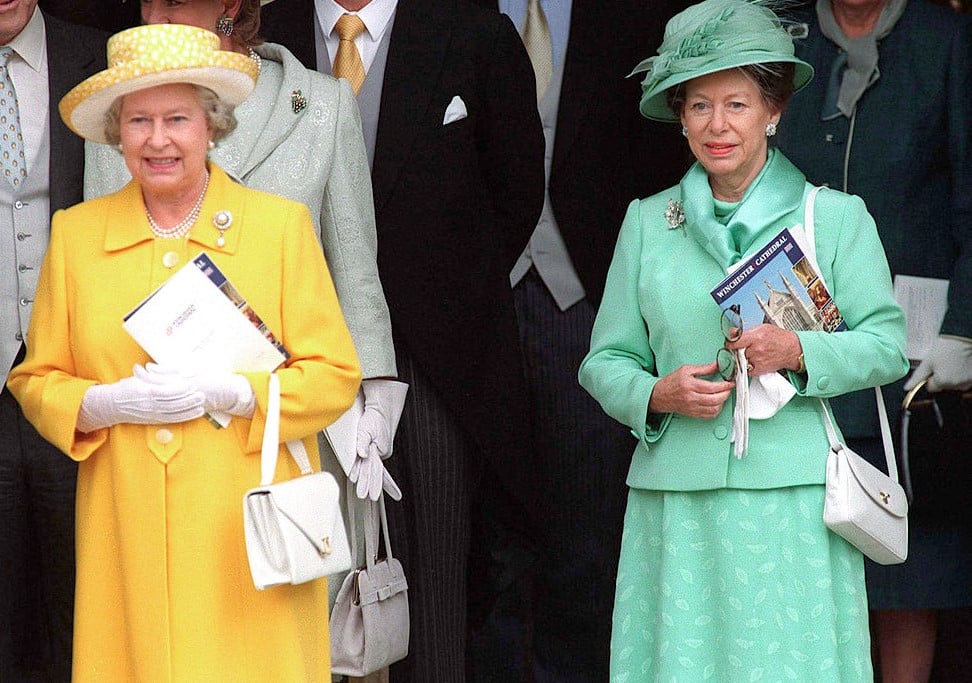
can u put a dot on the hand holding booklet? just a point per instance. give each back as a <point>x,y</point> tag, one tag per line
<point>780,285</point>
<point>198,322</point>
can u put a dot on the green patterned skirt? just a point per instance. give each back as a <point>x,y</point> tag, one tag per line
<point>737,585</point>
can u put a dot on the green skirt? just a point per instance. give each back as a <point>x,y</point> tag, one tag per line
<point>737,585</point>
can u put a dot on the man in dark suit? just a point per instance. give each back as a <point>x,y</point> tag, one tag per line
<point>36,480</point>
<point>452,130</point>
<point>601,154</point>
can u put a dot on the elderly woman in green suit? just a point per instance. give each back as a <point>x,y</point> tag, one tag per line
<point>726,568</point>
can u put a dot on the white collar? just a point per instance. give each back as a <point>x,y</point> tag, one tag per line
<point>29,43</point>
<point>375,16</point>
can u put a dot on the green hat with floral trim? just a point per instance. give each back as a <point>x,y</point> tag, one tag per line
<point>712,36</point>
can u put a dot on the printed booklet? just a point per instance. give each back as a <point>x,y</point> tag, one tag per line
<point>198,322</point>
<point>779,285</point>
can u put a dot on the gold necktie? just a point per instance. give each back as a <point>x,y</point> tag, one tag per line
<point>536,38</point>
<point>347,62</point>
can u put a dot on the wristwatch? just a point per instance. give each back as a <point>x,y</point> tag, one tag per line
<point>802,369</point>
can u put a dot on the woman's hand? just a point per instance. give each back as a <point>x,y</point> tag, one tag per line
<point>686,393</point>
<point>224,392</point>
<point>136,400</point>
<point>769,348</point>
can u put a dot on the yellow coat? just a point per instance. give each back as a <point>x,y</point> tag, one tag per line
<point>163,585</point>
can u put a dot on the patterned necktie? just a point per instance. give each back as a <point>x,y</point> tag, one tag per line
<point>536,38</point>
<point>347,63</point>
<point>13,163</point>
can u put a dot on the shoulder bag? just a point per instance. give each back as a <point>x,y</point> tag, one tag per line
<point>293,529</point>
<point>862,505</point>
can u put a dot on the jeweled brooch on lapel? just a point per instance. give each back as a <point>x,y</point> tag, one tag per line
<point>675,215</point>
<point>297,101</point>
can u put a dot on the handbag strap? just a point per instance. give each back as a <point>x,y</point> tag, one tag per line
<point>879,397</point>
<point>371,527</point>
<point>836,445</point>
<point>271,438</point>
<point>808,227</point>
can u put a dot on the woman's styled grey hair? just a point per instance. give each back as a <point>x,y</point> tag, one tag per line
<point>219,116</point>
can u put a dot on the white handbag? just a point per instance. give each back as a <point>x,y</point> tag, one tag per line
<point>863,505</point>
<point>294,530</point>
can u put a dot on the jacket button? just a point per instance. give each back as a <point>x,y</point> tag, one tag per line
<point>721,432</point>
<point>164,436</point>
<point>170,259</point>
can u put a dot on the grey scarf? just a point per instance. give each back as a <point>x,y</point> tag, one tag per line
<point>856,67</point>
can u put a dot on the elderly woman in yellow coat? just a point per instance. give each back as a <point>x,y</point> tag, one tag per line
<point>163,586</point>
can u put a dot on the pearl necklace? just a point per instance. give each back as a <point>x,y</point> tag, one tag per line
<point>180,229</point>
<point>256,58</point>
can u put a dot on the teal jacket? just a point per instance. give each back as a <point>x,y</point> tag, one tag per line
<point>657,315</point>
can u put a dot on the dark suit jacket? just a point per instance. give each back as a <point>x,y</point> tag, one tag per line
<point>454,204</point>
<point>73,54</point>
<point>605,153</point>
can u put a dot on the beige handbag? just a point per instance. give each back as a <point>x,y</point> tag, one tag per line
<point>369,622</point>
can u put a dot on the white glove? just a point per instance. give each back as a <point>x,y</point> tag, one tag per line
<point>224,392</point>
<point>136,400</point>
<point>768,393</point>
<point>383,404</point>
<point>740,412</point>
<point>947,365</point>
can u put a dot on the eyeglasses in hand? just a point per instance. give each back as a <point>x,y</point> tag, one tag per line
<point>732,329</point>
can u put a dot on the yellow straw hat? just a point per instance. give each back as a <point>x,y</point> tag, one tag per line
<point>159,54</point>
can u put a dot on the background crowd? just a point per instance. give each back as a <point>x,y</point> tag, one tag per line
<point>469,167</point>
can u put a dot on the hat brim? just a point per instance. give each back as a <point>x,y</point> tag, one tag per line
<point>654,103</point>
<point>83,109</point>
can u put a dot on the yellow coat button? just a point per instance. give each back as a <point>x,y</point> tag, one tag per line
<point>170,259</point>
<point>164,436</point>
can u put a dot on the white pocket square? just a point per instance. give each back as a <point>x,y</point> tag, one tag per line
<point>456,111</point>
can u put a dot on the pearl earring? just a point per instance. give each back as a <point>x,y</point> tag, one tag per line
<point>685,131</point>
<point>770,129</point>
<point>119,148</point>
<point>211,145</point>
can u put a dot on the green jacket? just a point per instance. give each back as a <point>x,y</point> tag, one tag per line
<point>657,315</point>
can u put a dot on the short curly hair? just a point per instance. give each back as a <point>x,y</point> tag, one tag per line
<point>219,115</point>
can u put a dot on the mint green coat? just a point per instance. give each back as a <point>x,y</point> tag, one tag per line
<point>657,315</point>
